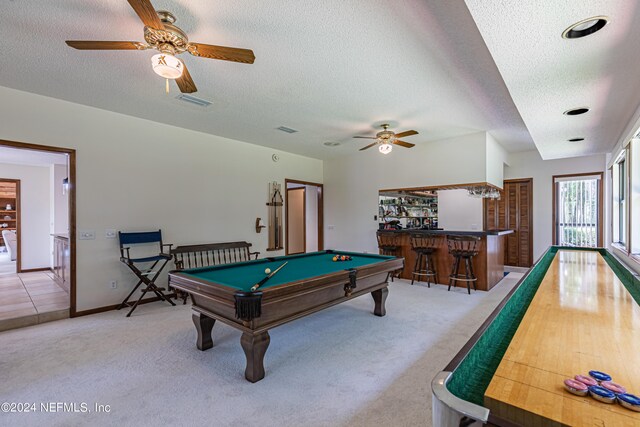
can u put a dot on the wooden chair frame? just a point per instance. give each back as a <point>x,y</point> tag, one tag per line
<point>143,274</point>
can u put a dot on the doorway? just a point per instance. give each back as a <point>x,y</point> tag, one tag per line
<point>577,210</point>
<point>9,226</point>
<point>303,217</point>
<point>513,211</point>
<point>43,285</point>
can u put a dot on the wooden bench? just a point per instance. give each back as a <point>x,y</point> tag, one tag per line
<point>204,255</point>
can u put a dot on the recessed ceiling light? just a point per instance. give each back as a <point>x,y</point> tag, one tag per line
<point>331,143</point>
<point>576,111</point>
<point>585,27</point>
<point>575,139</point>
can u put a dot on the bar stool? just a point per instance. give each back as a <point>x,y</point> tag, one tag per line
<point>463,247</point>
<point>389,244</point>
<point>424,245</point>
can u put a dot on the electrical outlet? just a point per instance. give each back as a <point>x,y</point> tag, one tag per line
<point>331,227</point>
<point>113,284</point>
<point>110,233</point>
<point>87,235</point>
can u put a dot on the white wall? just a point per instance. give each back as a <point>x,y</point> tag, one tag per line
<point>311,216</point>
<point>496,158</point>
<point>529,164</point>
<point>135,174</point>
<point>34,212</point>
<point>458,211</point>
<point>352,183</point>
<point>59,201</point>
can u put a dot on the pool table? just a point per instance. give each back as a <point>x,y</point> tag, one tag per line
<point>306,284</point>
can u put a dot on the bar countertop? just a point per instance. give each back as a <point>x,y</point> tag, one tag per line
<point>480,233</point>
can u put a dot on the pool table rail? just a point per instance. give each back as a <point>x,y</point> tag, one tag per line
<point>304,294</point>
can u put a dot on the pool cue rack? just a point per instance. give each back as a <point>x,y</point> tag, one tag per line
<point>274,223</point>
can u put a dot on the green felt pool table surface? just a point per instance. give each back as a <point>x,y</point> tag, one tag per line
<point>244,275</point>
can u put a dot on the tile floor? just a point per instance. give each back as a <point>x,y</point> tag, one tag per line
<point>30,298</point>
<point>6,265</point>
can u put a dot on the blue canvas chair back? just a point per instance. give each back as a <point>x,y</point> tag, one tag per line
<point>140,237</point>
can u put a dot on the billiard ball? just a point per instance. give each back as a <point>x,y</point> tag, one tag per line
<point>335,258</point>
<point>267,270</point>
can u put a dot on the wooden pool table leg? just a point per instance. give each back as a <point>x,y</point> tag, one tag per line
<point>204,325</point>
<point>380,296</point>
<point>255,347</point>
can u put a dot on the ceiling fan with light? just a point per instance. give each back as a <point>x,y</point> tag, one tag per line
<point>385,139</point>
<point>161,34</point>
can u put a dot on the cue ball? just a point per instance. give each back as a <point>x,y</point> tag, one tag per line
<point>267,270</point>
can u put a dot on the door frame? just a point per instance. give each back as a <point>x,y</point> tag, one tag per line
<point>18,223</point>
<point>554,238</point>
<point>72,207</point>
<point>320,211</point>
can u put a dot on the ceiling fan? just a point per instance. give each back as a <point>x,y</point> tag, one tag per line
<point>385,139</point>
<point>161,34</point>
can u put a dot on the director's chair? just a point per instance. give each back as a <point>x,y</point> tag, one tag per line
<point>146,275</point>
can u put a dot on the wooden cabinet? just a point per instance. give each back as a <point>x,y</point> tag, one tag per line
<point>61,261</point>
<point>514,210</point>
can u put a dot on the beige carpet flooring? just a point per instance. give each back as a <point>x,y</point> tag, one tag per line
<point>339,367</point>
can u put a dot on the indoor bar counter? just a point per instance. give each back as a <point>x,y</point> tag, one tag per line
<point>488,265</point>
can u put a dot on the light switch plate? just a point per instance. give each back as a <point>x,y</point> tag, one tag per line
<point>110,233</point>
<point>87,235</point>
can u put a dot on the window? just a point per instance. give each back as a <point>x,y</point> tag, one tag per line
<point>634,195</point>
<point>622,199</point>
<point>578,207</point>
<point>619,205</point>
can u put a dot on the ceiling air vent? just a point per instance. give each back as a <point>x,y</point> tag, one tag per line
<point>194,100</point>
<point>286,129</point>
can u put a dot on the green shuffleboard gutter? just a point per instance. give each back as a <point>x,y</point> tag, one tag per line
<point>472,373</point>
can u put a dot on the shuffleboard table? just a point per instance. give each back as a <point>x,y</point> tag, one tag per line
<point>575,311</point>
<point>306,284</point>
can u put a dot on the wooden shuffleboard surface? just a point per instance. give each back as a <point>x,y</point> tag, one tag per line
<point>582,318</point>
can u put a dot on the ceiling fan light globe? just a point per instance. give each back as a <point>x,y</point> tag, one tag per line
<point>167,66</point>
<point>385,148</point>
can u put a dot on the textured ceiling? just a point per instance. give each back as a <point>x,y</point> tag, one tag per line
<point>30,157</point>
<point>547,75</point>
<point>330,69</point>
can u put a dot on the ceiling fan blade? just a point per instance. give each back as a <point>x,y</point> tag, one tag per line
<point>366,137</point>
<point>185,82</point>
<point>147,13</point>
<point>368,146</point>
<point>406,133</point>
<point>234,54</point>
<point>404,144</point>
<point>104,45</point>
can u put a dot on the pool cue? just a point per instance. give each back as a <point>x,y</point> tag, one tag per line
<point>263,281</point>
